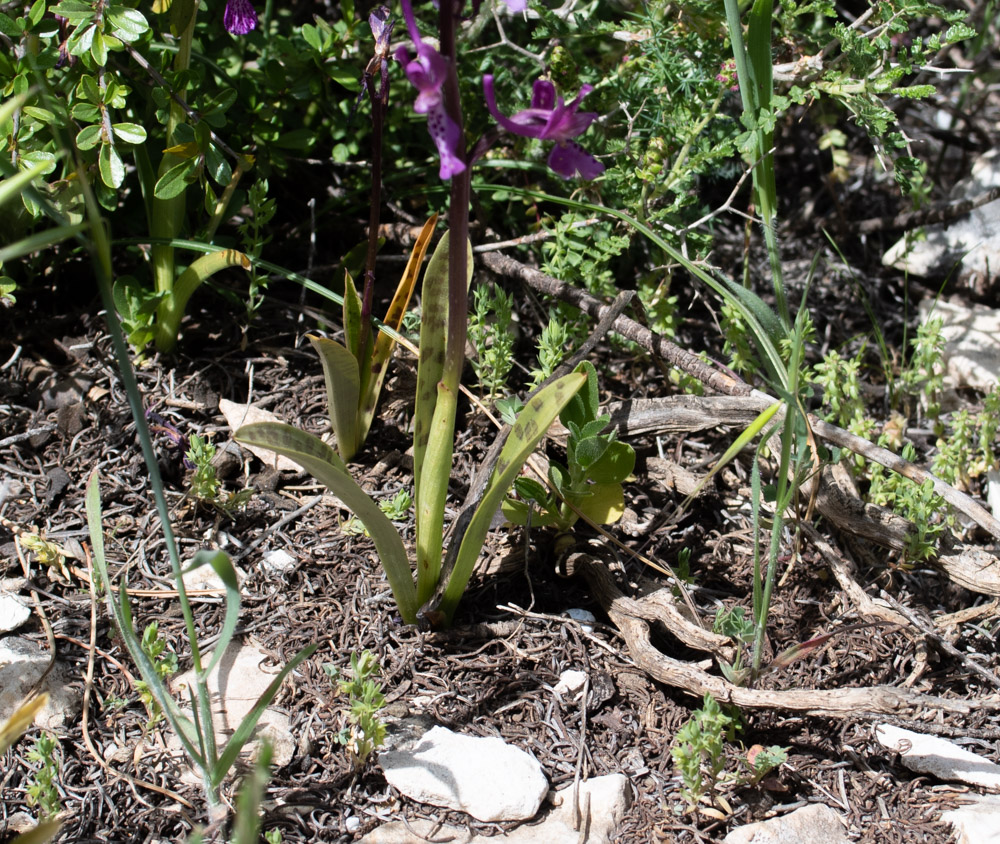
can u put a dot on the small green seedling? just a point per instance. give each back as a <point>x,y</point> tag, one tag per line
<point>364,731</point>
<point>165,665</point>
<point>590,483</point>
<point>700,757</point>
<point>204,483</point>
<point>41,791</point>
<point>396,508</point>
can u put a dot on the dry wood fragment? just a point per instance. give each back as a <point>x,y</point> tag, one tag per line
<point>840,703</point>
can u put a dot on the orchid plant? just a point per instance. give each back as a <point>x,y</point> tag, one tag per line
<point>441,577</point>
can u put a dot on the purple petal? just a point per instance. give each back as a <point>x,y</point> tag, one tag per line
<point>411,23</point>
<point>240,17</point>
<point>525,123</point>
<point>564,123</point>
<point>516,5</point>
<point>543,95</point>
<point>567,159</point>
<point>447,137</point>
<point>427,73</point>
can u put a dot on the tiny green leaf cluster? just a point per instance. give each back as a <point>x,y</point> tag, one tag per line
<point>365,730</point>
<point>42,790</point>
<point>490,333</point>
<point>165,664</point>
<point>699,753</point>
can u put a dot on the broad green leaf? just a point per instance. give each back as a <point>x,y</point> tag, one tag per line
<point>615,465</point>
<point>88,137</point>
<point>430,497</point>
<point>532,423</point>
<point>373,375</point>
<point>340,371</point>
<point>99,50</point>
<point>41,114</point>
<point>603,504</point>
<point>37,12</point>
<point>590,450</point>
<point>433,340</point>
<point>352,319</point>
<point>322,462</point>
<point>128,23</point>
<point>217,165</point>
<point>582,408</point>
<point>175,181</point>
<point>131,133</point>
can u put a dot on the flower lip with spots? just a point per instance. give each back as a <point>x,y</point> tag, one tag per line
<point>240,17</point>
<point>427,72</point>
<point>550,118</point>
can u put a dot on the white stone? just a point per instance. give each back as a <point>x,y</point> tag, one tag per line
<point>242,681</point>
<point>570,681</point>
<point>12,613</point>
<point>972,242</point>
<point>993,491</point>
<point>939,757</point>
<point>978,823</point>
<point>205,579</point>
<point>483,777</point>
<point>238,415</point>
<point>972,342</point>
<point>816,824</point>
<point>279,561</point>
<point>602,803</point>
<point>22,663</point>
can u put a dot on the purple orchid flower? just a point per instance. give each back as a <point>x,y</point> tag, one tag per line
<point>240,17</point>
<point>427,72</point>
<point>551,119</point>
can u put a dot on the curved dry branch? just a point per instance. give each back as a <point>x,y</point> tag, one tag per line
<point>839,703</point>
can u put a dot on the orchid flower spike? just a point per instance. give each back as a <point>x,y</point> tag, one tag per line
<point>427,72</point>
<point>240,17</point>
<point>551,119</point>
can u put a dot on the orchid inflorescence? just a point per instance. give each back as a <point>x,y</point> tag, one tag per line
<point>549,118</point>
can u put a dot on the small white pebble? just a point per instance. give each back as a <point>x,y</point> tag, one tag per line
<point>352,824</point>
<point>279,561</point>
<point>570,681</point>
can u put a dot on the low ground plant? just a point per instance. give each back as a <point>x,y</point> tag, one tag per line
<point>364,731</point>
